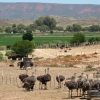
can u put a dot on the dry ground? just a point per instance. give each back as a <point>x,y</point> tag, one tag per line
<point>10,86</point>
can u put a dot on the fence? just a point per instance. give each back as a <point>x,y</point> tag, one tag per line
<point>12,78</point>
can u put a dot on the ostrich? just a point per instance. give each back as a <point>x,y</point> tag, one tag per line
<point>22,76</point>
<point>29,82</point>
<point>73,84</point>
<point>96,83</point>
<point>39,78</point>
<point>44,78</point>
<point>86,85</point>
<point>59,79</point>
<point>21,64</point>
<point>81,81</point>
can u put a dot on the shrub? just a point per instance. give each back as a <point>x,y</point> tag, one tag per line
<point>78,38</point>
<point>1,57</point>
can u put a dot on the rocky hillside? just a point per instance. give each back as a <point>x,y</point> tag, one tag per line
<point>34,10</point>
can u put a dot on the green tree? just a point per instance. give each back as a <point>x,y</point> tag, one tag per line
<point>43,28</point>
<point>59,28</point>
<point>69,28</point>
<point>78,38</point>
<point>50,22</point>
<point>32,27</point>
<point>39,22</point>
<point>15,30</point>
<point>23,47</point>
<point>94,28</point>
<point>14,25</point>
<point>20,27</point>
<point>27,36</point>
<point>8,29</point>
<point>1,30</point>
<point>76,28</point>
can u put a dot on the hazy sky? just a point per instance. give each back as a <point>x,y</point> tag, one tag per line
<point>58,1</point>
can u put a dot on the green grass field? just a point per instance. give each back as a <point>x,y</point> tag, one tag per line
<point>9,39</point>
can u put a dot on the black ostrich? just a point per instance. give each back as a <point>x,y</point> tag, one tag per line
<point>39,78</point>
<point>29,82</point>
<point>59,79</point>
<point>72,84</point>
<point>43,79</point>
<point>22,76</point>
<point>21,64</point>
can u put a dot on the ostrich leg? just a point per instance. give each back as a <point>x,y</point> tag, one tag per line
<point>77,92</point>
<point>71,93</point>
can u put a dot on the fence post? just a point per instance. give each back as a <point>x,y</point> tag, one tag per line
<point>2,76</point>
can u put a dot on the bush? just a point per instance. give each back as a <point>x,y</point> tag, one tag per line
<point>90,68</point>
<point>78,38</point>
<point>2,48</point>
<point>1,57</point>
<point>9,53</point>
<point>51,32</point>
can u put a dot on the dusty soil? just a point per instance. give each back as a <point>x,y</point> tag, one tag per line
<point>65,63</point>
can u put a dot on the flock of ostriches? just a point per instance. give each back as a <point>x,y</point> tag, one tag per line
<point>79,83</point>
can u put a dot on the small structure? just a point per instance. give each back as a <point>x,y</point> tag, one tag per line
<point>94,94</point>
<point>8,47</point>
<point>26,63</point>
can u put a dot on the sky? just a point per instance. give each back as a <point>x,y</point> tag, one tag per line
<point>56,1</point>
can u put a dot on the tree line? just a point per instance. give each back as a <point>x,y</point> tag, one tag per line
<point>46,24</point>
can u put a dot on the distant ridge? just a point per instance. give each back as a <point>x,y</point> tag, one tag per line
<point>32,11</point>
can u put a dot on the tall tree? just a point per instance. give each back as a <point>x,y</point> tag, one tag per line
<point>76,28</point>
<point>39,22</point>
<point>8,29</point>
<point>50,22</point>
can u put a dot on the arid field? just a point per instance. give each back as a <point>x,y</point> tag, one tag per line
<point>74,60</point>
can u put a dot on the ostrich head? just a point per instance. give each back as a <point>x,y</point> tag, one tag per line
<point>47,70</point>
<point>94,75</point>
<point>82,77</point>
<point>35,71</point>
<point>75,78</point>
<point>33,74</point>
<point>58,77</point>
<point>87,76</point>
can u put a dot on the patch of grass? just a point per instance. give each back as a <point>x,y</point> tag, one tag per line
<point>90,68</point>
<point>2,48</point>
<point>37,58</point>
<point>72,65</point>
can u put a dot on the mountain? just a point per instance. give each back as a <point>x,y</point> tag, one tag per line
<point>32,11</point>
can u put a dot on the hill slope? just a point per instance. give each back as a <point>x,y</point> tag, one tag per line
<point>35,10</point>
